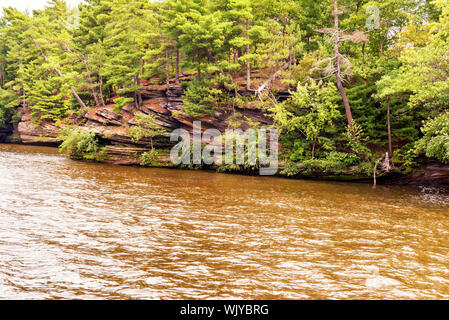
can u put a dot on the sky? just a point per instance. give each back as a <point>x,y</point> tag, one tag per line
<point>30,4</point>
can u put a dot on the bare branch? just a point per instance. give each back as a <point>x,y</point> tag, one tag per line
<point>356,37</point>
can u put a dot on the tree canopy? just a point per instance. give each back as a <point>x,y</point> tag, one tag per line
<point>381,65</point>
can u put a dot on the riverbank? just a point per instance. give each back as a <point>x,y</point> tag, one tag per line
<point>117,146</point>
<point>430,174</point>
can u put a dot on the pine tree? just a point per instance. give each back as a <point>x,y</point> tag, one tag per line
<point>87,49</point>
<point>126,44</point>
<point>47,37</point>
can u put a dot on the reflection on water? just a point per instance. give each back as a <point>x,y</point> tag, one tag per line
<point>81,230</point>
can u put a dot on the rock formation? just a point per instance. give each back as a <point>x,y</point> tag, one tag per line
<point>113,129</point>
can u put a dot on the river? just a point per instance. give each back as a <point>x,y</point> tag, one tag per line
<point>74,230</point>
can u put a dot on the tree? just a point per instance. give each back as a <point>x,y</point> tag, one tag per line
<point>172,17</point>
<point>162,40</point>
<point>241,12</point>
<point>203,34</point>
<point>42,79</point>
<point>88,50</point>
<point>337,58</point>
<point>147,127</point>
<point>338,61</point>
<point>310,110</point>
<point>126,44</point>
<point>435,142</point>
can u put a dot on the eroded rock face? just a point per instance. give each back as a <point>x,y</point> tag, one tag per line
<point>167,105</point>
<point>113,129</point>
<point>105,116</point>
<point>43,134</point>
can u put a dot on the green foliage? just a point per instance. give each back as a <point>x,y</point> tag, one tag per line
<point>126,40</point>
<point>202,97</point>
<point>54,71</point>
<point>48,99</point>
<point>364,169</point>
<point>147,127</point>
<point>149,159</point>
<point>348,159</point>
<point>322,167</point>
<point>249,146</point>
<point>190,155</point>
<point>8,101</point>
<point>79,144</point>
<point>310,111</point>
<point>435,142</point>
<point>290,169</point>
<point>357,140</point>
<point>121,102</point>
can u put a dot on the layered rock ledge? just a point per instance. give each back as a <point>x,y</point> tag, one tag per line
<point>166,104</point>
<point>168,107</point>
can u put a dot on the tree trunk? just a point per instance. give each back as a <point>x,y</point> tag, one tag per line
<point>390,143</point>
<point>24,103</point>
<point>138,95</point>
<point>271,79</point>
<point>2,75</point>
<point>167,69</point>
<point>375,174</point>
<point>101,90</point>
<point>381,47</point>
<point>59,73</point>
<point>284,34</point>
<point>340,87</point>
<point>136,103</point>
<point>248,62</point>
<point>139,98</point>
<point>313,148</point>
<point>210,57</point>
<point>177,66</point>
<point>91,83</point>
<point>77,97</point>
<point>183,56</point>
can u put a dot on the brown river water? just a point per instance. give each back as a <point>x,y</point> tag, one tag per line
<point>74,230</point>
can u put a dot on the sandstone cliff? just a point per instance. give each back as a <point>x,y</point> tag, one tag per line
<point>167,105</point>
<point>113,129</point>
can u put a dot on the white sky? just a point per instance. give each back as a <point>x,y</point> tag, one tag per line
<point>30,4</point>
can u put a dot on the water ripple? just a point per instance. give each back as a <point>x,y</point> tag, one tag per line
<point>88,231</point>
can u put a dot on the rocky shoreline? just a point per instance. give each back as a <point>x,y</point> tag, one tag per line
<point>112,128</point>
<point>167,105</point>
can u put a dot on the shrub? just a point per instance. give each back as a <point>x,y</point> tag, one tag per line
<point>79,144</point>
<point>290,169</point>
<point>348,159</point>
<point>357,140</point>
<point>147,127</point>
<point>149,159</point>
<point>435,142</point>
<point>322,167</point>
<point>365,169</point>
<point>204,96</point>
